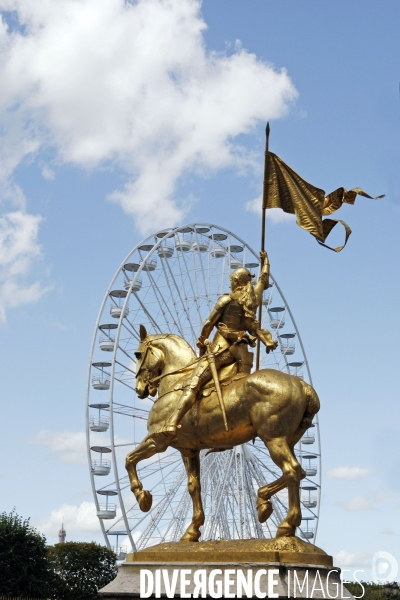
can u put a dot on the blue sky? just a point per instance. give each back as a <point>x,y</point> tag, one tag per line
<point>119,120</point>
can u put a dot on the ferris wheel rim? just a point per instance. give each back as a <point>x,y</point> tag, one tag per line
<point>171,232</point>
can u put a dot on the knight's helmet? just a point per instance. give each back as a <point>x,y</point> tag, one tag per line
<point>62,534</point>
<point>243,275</point>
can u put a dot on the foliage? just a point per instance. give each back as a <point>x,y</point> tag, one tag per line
<point>373,591</point>
<point>82,569</point>
<point>25,569</point>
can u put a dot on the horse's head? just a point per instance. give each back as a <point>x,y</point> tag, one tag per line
<point>149,364</point>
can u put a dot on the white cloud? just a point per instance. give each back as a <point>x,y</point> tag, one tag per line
<point>80,522</point>
<point>348,472</point>
<point>59,325</point>
<point>70,446</point>
<point>131,84</point>
<point>48,173</point>
<point>275,215</point>
<point>387,531</point>
<point>358,503</point>
<point>382,495</point>
<point>352,559</point>
<point>19,251</point>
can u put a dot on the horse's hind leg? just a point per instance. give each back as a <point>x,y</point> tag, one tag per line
<point>283,456</point>
<point>192,465</point>
<point>264,505</point>
<point>145,449</point>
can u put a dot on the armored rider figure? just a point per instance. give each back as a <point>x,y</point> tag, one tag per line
<point>237,326</point>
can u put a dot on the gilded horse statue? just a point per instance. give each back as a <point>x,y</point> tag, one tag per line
<point>275,406</point>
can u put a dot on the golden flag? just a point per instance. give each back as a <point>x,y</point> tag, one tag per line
<point>285,189</point>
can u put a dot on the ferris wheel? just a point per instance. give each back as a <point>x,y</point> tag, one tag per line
<point>169,283</point>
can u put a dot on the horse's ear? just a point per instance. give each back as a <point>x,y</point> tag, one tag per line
<point>143,332</point>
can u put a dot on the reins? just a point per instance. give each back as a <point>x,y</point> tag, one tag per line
<point>147,343</point>
<point>159,377</point>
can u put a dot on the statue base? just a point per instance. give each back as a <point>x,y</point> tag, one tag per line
<point>255,568</point>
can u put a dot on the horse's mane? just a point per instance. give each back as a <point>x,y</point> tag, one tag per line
<point>174,338</point>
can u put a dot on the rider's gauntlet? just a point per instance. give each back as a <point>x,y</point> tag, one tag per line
<point>200,341</point>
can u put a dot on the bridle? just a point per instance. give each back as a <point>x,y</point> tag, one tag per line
<point>147,372</point>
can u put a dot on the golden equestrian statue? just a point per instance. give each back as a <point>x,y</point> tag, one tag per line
<point>214,402</point>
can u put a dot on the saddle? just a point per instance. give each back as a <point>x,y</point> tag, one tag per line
<point>230,373</point>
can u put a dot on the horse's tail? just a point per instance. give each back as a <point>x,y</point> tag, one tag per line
<point>312,404</point>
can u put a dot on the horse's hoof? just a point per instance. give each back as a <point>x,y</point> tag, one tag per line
<point>285,531</point>
<point>145,500</point>
<point>264,510</point>
<point>190,537</point>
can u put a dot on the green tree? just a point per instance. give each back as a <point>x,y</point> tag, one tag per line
<point>373,591</point>
<point>82,569</point>
<point>25,569</point>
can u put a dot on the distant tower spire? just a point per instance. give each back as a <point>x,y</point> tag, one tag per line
<point>62,534</point>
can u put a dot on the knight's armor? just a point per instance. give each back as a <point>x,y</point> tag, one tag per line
<point>233,316</point>
<point>237,327</point>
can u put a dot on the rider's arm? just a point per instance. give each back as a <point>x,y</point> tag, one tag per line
<point>212,320</point>
<point>263,280</point>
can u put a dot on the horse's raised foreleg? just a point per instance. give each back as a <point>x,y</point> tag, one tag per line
<point>145,449</point>
<point>192,465</point>
<point>283,456</point>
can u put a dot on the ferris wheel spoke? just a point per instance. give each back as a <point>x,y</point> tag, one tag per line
<point>274,474</point>
<point>132,331</point>
<point>178,291</point>
<point>125,352</point>
<point>163,482</point>
<point>220,490</point>
<point>163,304</point>
<point>125,367</point>
<point>166,470</point>
<point>187,270</point>
<point>168,301</point>
<point>178,519</point>
<point>222,522</point>
<point>146,312</point>
<point>199,257</point>
<point>157,514</point>
<point>130,411</point>
<point>130,444</point>
<point>230,505</point>
<point>124,383</point>
<point>279,508</point>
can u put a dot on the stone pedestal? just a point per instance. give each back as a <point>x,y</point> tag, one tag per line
<point>288,567</point>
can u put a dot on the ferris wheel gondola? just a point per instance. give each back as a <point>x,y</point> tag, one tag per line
<point>169,283</point>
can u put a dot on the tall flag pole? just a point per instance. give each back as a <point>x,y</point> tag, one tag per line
<point>264,208</point>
